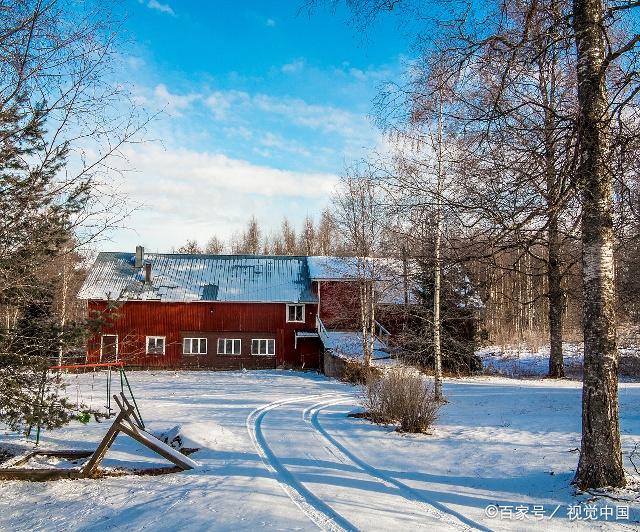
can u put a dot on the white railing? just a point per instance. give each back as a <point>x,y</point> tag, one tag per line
<point>322,331</point>
<point>382,334</point>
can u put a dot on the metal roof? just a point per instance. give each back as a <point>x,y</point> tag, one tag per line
<point>179,277</point>
<point>387,274</point>
<point>328,268</point>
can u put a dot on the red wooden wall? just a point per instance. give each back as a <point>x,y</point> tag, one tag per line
<point>340,307</point>
<point>134,320</point>
<point>339,304</point>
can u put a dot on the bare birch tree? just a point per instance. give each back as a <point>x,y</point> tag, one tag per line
<point>360,217</point>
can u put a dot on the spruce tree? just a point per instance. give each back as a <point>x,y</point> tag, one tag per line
<point>34,227</point>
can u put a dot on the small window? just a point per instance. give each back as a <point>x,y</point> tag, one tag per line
<point>228,346</point>
<point>194,346</point>
<point>263,347</point>
<point>109,347</point>
<point>155,345</point>
<point>295,313</point>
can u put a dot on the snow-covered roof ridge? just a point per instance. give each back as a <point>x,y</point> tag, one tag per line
<point>328,268</point>
<point>181,277</point>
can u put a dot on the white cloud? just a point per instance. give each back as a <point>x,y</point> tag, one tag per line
<point>197,173</point>
<point>134,62</point>
<point>271,140</point>
<point>322,117</point>
<point>293,67</point>
<point>174,104</point>
<point>325,118</point>
<point>270,22</point>
<point>220,102</point>
<point>194,194</point>
<point>158,6</point>
<point>239,132</point>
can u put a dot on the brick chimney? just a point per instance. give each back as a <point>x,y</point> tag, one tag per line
<point>147,273</point>
<point>139,257</point>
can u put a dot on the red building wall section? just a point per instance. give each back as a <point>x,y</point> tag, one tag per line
<point>133,321</point>
<point>340,307</point>
<point>339,304</point>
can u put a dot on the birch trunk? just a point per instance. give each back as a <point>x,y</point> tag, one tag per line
<point>364,326</point>
<point>600,462</point>
<point>372,320</point>
<point>437,353</point>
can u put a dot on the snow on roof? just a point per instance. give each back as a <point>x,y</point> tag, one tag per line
<point>325,268</point>
<point>388,274</point>
<point>180,277</point>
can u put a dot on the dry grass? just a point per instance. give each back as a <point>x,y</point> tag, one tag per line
<point>401,396</point>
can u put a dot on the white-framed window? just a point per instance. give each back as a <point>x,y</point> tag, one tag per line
<point>295,313</point>
<point>194,346</point>
<point>155,345</point>
<point>109,347</point>
<point>261,346</point>
<point>229,346</point>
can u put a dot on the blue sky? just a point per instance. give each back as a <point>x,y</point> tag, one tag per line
<point>263,107</point>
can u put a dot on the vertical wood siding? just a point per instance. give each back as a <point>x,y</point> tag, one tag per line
<point>133,321</point>
<point>339,304</point>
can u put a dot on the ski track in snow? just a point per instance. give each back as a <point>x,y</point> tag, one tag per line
<point>437,510</point>
<point>313,507</point>
<point>323,516</point>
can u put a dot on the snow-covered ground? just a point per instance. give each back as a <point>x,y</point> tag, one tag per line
<point>522,361</point>
<point>278,451</point>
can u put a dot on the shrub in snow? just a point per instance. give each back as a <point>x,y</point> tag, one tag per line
<point>355,372</point>
<point>401,396</point>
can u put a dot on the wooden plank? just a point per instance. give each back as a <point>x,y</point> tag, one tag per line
<point>89,469</point>
<point>18,460</point>
<point>133,411</point>
<point>164,450</point>
<point>65,453</point>
<point>39,475</point>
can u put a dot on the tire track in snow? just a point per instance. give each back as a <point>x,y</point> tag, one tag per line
<point>323,516</point>
<point>436,509</point>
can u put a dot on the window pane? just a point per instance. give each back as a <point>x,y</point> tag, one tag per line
<point>255,346</point>
<point>236,347</point>
<point>186,346</point>
<point>203,346</point>
<point>160,344</point>
<point>271,345</point>
<point>220,345</point>
<point>299,312</point>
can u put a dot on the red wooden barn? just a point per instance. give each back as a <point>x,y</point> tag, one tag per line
<point>215,311</point>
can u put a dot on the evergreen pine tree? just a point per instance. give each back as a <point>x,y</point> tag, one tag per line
<point>34,227</point>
